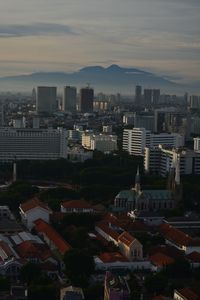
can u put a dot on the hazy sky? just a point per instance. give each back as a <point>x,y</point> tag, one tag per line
<point>64,35</point>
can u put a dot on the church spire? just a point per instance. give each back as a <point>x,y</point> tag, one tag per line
<point>137,181</point>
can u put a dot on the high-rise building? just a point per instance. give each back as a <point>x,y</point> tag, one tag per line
<point>148,97</point>
<point>69,99</point>
<point>33,144</point>
<point>160,159</point>
<point>1,113</point>
<point>86,99</point>
<point>136,139</point>
<point>151,97</point>
<point>138,95</point>
<point>46,99</point>
<point>155,96</point>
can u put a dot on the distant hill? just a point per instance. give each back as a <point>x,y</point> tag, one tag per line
<point>110,80</point>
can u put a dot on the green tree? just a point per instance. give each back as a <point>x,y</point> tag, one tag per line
<point>30,272</point>
<point>156,283</point>
<point>78,266</point>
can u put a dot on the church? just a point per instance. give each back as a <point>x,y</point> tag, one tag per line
<point>139,200</point>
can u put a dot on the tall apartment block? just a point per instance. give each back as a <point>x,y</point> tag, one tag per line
<point>160,160</point>
<point>136,139</point>
<point>151,97</point>
<point>138,95</point>
<point>86,99</point>
<point>69,99</point>
<point>32,144</point>
<point>46,99</point>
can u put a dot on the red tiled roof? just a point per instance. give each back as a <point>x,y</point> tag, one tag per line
<point>160,259</point>
<point>175,235</point>
<point>194,256</point>
<point>167,250</point>
<point>76,204</point>
<point>28,249</point>
<point>108,230</point>
<point>32,203</point>
<point>109,257</point>
<point>43,227</point>
<point>126,238</point>
<point>188,294</point>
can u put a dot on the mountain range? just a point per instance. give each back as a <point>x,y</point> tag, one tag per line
<point>112,79</point>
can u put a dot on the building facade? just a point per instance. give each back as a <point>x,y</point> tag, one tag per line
<point>69,99</point>
<point>46,99</point>
<point>32,144</point>
<point>135,140</point>
<point>86,100</point>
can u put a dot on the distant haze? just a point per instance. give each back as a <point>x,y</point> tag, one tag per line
<point>161,36</point>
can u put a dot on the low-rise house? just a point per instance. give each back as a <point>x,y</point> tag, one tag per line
<point>179,239</point>
<point>51,237</point>
<point>107,231</point>
<point>160,260</point>
<point>33,210</point>
<point>35,252</point>
<point>76,206</point>
<point>115,260</point>
<point>194,259</point>
<point>10,263</point>
<point>130,246</point>
<point>71,293</point>
<point>186,294</point>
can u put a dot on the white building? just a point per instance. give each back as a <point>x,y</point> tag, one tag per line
<point>161,159</point>
<point>32,144</point>
<point>33,210</point>
<point>197,144</point>
<point>101,142</point>
<point>69,99</point>
<point>46,99</point>
<point>136,139</point>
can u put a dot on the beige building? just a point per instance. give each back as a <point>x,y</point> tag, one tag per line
<point>130,247</point>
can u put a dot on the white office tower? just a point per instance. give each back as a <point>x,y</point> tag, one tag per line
<point>32,144</point>
<point>160,160</point>
<point>69,99</point>
<point>136,139</point>
<point>197,144</point>
<point>46,99</point>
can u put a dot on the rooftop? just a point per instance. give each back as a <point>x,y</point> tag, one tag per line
<point>33,203</point>
<point>43,227</point>
<point>126,238</point>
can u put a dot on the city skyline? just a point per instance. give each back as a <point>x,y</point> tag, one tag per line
<point>159,36</point>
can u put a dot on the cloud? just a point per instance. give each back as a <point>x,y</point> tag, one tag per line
<point>35,29</point>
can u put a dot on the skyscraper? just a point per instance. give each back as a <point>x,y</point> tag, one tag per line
<point>86,99</point>
<point>46,99</point>
<point>69,99</point>
<point>138,95</point>
<point>155,96</point>
<point>148,97</point>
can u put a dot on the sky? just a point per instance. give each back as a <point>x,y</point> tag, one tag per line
<point>162,36</point>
